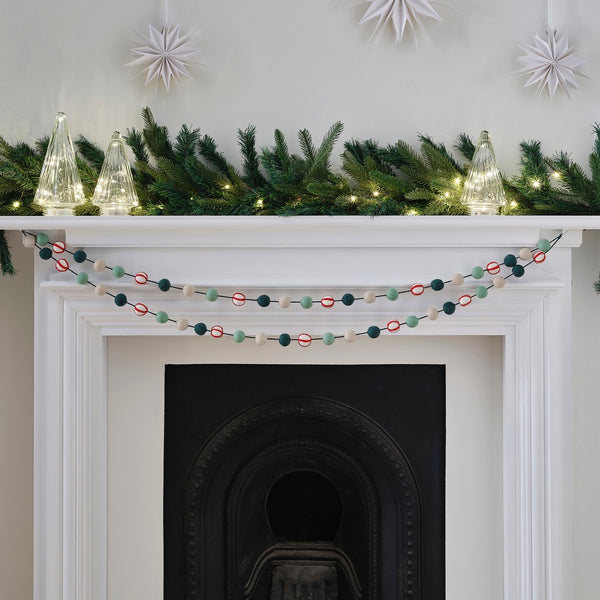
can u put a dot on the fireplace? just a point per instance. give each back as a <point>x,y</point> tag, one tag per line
<point>74,330</point>
<point>283,480</point>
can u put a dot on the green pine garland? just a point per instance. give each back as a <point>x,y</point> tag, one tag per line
<point>188,175</point>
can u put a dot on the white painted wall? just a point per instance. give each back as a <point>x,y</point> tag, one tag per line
<point>473,446</point>
<point>16,427</point>
<point>290,64</point>
<point>278,63</point>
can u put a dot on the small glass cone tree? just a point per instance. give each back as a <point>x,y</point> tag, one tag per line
<point>115,193</point>
<point>483,193</point>
<point>59,188</point>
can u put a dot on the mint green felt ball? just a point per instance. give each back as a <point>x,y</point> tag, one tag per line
<point>41,239</point>
<point>328,338</point>
<point>162,316</point>
<point>212,294</point>
<point>118,271</point>
<point>306,302</point>
<point>239,336</point>
<point>477,272</point>
<point>543,245</point>
<point>412,321</point>
<point>481,292</point>
<point>392,294</point>
<point>82,278</point>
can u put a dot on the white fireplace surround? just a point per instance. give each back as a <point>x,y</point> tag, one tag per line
<point>291,255</point>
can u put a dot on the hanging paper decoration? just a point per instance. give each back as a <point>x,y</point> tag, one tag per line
<point>401,13</point>
<point>59,188</point>
<point>550,62</point>
<point>483,192</point>
<point>115,193</point>
<point>165,56</point>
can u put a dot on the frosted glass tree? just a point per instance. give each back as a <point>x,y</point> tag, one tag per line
<point>115,193</point>
<point>59,188</point>
<point>483,192</point>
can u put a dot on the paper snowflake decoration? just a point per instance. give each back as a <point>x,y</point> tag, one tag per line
<point>401,13</point>
<point>165,56</point>
<point>551,63</point>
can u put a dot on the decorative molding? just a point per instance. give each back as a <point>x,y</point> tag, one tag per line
<point>533,317</point>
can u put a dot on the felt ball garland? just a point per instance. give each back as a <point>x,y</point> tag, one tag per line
<point>535,256</point>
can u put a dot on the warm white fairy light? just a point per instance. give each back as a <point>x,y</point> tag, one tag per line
<point>536,183</point>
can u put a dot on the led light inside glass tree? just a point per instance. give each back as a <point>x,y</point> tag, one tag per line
<point>59,188</point>
<point>115,193</point>
<point>483,192</point>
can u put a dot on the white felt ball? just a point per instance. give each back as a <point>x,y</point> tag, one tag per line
<point>100,265</point>
<point>182,324</point>
<point>100,289</point>
<point>433,314</point>
<point>28,241</point>
<point>525,254</point>
<point>458,279</point>
<point>499,281</point>
<point>369,297</point>
<point>285,301</point>
<point>260,338</point>
<point>350,335</point>
<point>188,290</point>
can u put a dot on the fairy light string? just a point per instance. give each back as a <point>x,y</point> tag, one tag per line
<point>48,250</point>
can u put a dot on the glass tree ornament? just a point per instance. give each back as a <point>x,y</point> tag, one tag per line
<point>115,193</point>
<point>59,188</point>
<point>483,193</point>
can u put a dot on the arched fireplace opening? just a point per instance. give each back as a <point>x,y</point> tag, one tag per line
<point>304,496</point>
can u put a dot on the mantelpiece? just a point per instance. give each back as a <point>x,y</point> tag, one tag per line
<point>316,254</point>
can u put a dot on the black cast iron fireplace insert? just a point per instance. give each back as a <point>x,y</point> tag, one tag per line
<point>302,482</point>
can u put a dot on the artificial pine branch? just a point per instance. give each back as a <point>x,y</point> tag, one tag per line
<point>156,137</point>
<point>90,152</point>
<point>6,265</point>
<point>247,142</point>
<point>465,146</point>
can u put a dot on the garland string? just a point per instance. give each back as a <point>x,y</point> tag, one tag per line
<point>531,256</point>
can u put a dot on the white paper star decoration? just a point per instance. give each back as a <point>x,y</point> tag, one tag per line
<point>551,63</point>
<point>401,13</point>
<point>165,56</point>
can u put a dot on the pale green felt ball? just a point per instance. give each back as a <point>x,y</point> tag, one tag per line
<point>481,291</point>
<point>118,271</point>
<point>544,245</point>
<point>41,239</point>
<point>82,278</point>
<point>162,316</point>
<point>412,321</point>
<point>212,294</point>
<point>306,302</point>
<point>477,272</point>
<point>328,338</point>
<point>392,294</point>
<point>239,336</point>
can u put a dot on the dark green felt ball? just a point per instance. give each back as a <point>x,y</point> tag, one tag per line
<point>510,260</point>
<point>79,256</point>
<point>518,270</point>
<point>164,285</point>
<point>449,308</point>
<point>348,299</point>
<point>437,285</point>
<point>263,300</point>
<point>45,253</point>
<point>285,339</point>
<point>200,328</point>
<point>373,331</point>
<point>120,299</point>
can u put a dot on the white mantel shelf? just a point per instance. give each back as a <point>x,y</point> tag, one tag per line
<point>307,231</point>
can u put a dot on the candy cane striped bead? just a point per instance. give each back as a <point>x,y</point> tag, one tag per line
<point>304,340</point>
<point>62,265</point>
<point>216,331</point>
<point>140,309</point>
<point>327,301</point>
<point>417,289</point>
<point>141,278</point>
<point>393,326</point>
<point>238,299</point>
<point>59,247</point>
<point>465,300</point>
<point>539,256</point>
<point>493,268</point>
